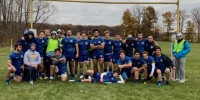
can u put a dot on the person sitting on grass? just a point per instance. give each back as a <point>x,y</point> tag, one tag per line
<point>91,77</point>
<point>15,63</point>
<point>124,65</point>
<point>111,77</point>
<point>163,66</point>
<point>60,61</point>
<point>32,60</point>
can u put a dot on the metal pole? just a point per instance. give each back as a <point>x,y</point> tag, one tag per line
<point>178,16</point>
<point>11,45</point>
<point>31,14</point>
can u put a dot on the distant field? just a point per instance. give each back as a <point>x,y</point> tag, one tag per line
<point>57,90</point>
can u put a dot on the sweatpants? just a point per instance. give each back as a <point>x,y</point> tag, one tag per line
<point>180,68</point>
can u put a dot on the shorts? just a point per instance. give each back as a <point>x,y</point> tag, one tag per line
<point>108,58</point>
<point>41,55</point>
<point>69,56</point>
<point>83,58</point>
<point>126,73</point>
<point>19,72</point>
<point>115,58</point>
<point>90,52</point>
<point>97,56</point>
<point>162,71</point>
<point>62,70</point>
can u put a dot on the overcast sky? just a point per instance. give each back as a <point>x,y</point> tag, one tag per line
<point>106,14</point>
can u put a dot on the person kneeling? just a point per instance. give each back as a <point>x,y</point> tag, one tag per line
<point>60,61</point>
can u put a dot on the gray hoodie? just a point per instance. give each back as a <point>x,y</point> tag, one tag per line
<point>32,57</point>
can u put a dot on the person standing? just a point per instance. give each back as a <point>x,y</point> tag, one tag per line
<point>180,49</point>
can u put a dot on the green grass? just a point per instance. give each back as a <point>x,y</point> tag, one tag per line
<point>129,91</point>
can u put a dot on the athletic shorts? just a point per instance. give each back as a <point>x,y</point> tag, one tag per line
<point>115,58</point>
<point>108,58</point>
<point>19,72</point>
<point>41,54</point>
<point>97,56</point>
<point>126,73</point>
<point>83,58</point>
<point>62,70</point>
<point>69,56</point>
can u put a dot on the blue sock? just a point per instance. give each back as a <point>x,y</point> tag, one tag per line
<point>7,80</point>
<point>72,75</point>
<point>81,73</point>
<point>110,69</point>
<point>11,77</point>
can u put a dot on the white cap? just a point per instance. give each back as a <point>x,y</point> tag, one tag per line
<point>59,30</point>
<point>179,34</point>
<point>129,36</point>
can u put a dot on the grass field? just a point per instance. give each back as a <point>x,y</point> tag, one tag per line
<point>129,91</point>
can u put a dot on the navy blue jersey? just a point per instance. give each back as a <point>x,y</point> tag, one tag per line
<point>69,44</point>
<point>117,47</point>
<point>96,42</point>
<point>16,59</point>
<point>149,62</point>
<point>110,78</point>
<point>26,43</point>
<point>126,60</point>
<point>149,47</point>
<point>162,62</point>
<point>40,43</point>
<point>84,46</point>
<point>128,47</point>
<point>108,46</point>
<point>95,77</point>
<point>139,45</point>
<point>138,62</point>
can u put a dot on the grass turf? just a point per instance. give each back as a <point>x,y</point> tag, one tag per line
<point>129,91</point>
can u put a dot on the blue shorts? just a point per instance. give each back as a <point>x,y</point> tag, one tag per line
<point>97,56</point>
<point>62,69</point>
<point>115,58</point>
<point>69,56</point>
<point>19,72</point>
<point>85,57</point>
<point>108,58</point>
<point>41,54</point>
<point>126,73</point>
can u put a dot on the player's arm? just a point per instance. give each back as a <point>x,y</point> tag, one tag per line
<point>121,80</point>
<point>152,69</point>
<point>93,47</point>
<point>102,74</point>
<point>101,46</point>
<point>128,65</point>
<point>77,50</point>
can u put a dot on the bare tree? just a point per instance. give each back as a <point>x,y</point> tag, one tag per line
<point>196,18</point>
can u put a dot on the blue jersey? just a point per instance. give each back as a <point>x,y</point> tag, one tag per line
<point>69,44</point>
<point>138,62</point>
<point>117,47</point>
<point>84,46</point>
<point>40,43</point>
<point>110,78</point>
<point>149,62</point>
<point>139,45</point>
<point>126,60</point>
<point>160,64</point>
<point>149,47</point>
<point>16,59</point>
<point>128,47</point>
<point>96,42</point>
<point>95,77</point>
<point>108,46</point>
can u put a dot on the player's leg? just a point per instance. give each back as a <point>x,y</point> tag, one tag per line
<point>87,77</point>
<point>52,71</point>
<point>101,60</point>
<point>135,71</point>
<point>63,77</point>
<point>81,69</point>
<point>76,67</point>
<point>71,65</point>
<point>95,64</point>
<point>159,78</point>
<point>87,62</point>
<point>17,78</point>
<point>167,73</point>
<point>9,70</point>
<point>182,70</point>
<point>40,69</point>
<point>145,74</point>
<point>177,72</point>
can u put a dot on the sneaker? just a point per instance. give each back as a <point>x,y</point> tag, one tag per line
<point>52,78</point>
<point>40,78</point>
<point>176,79</point>
<point>11,76</point>
<point>31,82</point>
<point>72,80</point>
<point>182,81</point>
<point>81,76</point>
<point>76,75</point>
<point>145,83</point>
<point>45,78</point>
<point>159,84</point>
<point>7,82</point>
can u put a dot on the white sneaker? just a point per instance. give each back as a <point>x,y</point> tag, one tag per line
<point>52,78</point>
<point>31,82</point>
<point>182,81</point>
<point>176,79</point>
<point>81,76</point>
<point>40,78</point>
<point>76,75</point>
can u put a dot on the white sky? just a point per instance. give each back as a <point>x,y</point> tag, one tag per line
<point>104,14</point>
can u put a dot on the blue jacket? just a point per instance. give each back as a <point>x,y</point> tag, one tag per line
<point>183,52</point>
